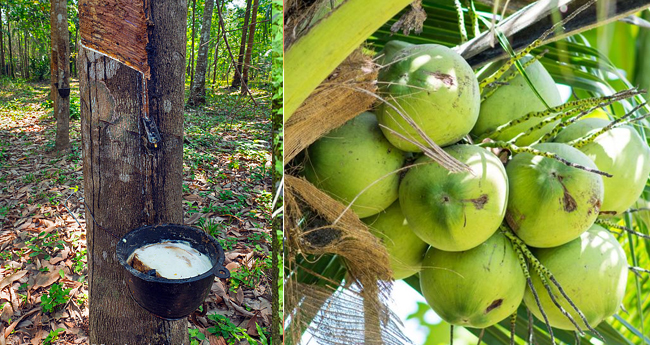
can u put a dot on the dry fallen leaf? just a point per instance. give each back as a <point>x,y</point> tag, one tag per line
<point>233,266</point>
<point>214,340</point>
<point>36,340</point>
<point>7,313</point>
<point>11,278</point>
<point>251,327</point>
<point>45,279</point>
<point>193,219</point>
<point>239,296</point>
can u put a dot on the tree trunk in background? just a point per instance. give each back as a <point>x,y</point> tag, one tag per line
<point>26,58</point>
<point>249,47</point>
<point>61,44</point>
<point>197,90</point>
<point>236,81</point>
<point>73,62</point>
<point>127,183</point>
<point>11,55</point>
<point>19,63</point>
<point>216,48</point>
<point>3,69</point>
<point>53,55</point>
<point>191,66</point>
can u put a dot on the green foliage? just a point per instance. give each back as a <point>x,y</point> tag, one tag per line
<point>233,21</point>
<point>195,336</point>
<point>250,276</point>
<point>231,333</point>
<point>79,261</point>
<point>40,67</point>
<point>227,244</point>
<point>44,243</point>
<point>82,298</point>
<point>75,110</point>
<point>52,336</point>
<point>211,227</point>
<point>55,297</point>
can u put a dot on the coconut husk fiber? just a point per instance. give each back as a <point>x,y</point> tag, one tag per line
<point>341,233</point>
<point>301,15</point>
<point>346,93</point>
<point>317,224</point>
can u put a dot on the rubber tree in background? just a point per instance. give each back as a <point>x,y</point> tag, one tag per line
<point>60,41</point>
<point>131,77</point>
<point>249,46</point>
<point>3,71</point>
<point>236,81</point>
<point>197,90</point>
<point>216,48</point>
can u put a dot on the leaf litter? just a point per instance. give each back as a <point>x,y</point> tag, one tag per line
<point>226,192</point>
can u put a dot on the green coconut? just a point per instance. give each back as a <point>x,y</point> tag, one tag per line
<point>515,100</point>
<point>592,271</point>
<point>455,211</point>
<point>475,288</point>
<point>551,203</point>
<point>406,250</point>
<point>620,152</point>
<point>436,88</point>
<point>387,54</point>
<point>351,158</point>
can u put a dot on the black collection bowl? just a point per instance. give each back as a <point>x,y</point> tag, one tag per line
<point>170,299</point>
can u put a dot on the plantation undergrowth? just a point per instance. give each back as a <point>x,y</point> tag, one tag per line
<point>226,192</point>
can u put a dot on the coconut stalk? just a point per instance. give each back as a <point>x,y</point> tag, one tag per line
<point>524,27</point>
<point>328,43</point>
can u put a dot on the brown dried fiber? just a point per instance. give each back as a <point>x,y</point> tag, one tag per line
<point>337,100</point>
<point>364,256</point>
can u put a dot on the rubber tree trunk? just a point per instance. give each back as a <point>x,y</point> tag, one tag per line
<point>26,55</point>
<point>3,70</point>
<point>61,44</point>
<point>19,64</point>
<point>236,81</point>
<point>249,47</point>
<point>191,66</point>
<point>53,55</point>
<point>11,55</point>
<point>216,48</point>
<point>197,90</point>
<point>128,182</point>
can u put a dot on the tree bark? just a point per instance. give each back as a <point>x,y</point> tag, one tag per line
<point>61,44</point>
<point>216,48</point>
<point>53,54</point>
<point>197,90</point>
<point>73,62</point>
<point>127,182</point>
<point>191,66</point>
<point>236,81</point>
<point>20,62</point>
<point>3,70</point>
<point>249,46</point>
<point>26,57</point>
<point>11,55</point>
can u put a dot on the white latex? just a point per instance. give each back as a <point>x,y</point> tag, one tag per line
<point>173,260</point>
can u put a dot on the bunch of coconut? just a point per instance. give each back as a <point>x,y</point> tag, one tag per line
<point>456,228</point>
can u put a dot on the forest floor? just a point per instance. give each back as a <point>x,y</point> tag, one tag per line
<point>226,192</point>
